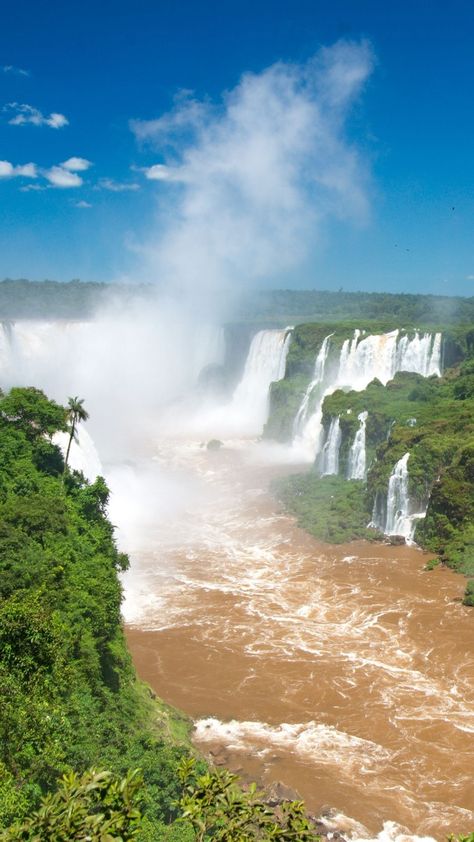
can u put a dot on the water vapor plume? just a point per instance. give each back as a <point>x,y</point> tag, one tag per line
<point>247,184</point>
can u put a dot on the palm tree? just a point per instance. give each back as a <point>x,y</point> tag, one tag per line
<point>75,414</point>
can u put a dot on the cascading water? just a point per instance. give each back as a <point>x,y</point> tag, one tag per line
<point>399,520</point>
<point>357,462</point>
<point>318,377</point>
<point>266,363</point>
<point>330,453</point>
<point>378,356</point>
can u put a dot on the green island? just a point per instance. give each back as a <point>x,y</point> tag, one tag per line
<point>431,418</point>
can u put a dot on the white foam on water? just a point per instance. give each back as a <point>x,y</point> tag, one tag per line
<point>322,744</point>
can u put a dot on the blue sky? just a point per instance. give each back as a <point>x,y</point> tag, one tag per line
<point>74,77</point>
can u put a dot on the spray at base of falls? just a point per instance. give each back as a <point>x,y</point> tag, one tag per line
<point>357,464</point>
<point>399,518</point>
<point>362,360</point>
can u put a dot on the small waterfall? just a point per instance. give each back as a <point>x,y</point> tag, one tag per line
<point>266,363</point>
<point>399,520</point>
<point>318,377</point>
<point>356,468</point>
<point>330,452</point>
<point>361,360</point>
<point>83,455</point>
<point>421,354</point>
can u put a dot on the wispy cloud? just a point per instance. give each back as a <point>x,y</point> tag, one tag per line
<point>33,187</point>
<point>26,114</point>
<point>15,71</point>
<point>255,177</point>
<point>470,278</point>
<point>117,186</point>
<point>82,204</point>
<point>60,177</point>
<point>9,170</point>
<point>76,164</point>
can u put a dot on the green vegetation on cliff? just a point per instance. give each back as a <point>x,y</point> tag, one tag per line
<point>69,693</point>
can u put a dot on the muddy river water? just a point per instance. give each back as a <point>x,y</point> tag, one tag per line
<point>346,672</point>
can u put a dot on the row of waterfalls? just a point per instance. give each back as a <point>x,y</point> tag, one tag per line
<point>359,361</point>
<point>50,354</point>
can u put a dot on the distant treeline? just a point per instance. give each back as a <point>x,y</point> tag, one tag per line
<point>23,299</point>
<point>295,306</point>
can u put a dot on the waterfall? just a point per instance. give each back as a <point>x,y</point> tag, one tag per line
<point>318,377</point>
<point>330,452</point>
<point>356,468</point>
<point>399,520</point>
<point>266,363</point>
<point>361,360</point>
<point>83,455</point>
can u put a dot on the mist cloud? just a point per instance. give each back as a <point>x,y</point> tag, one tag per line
<point>246,185</point>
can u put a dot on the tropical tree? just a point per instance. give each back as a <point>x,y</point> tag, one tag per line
<point>75,414</point>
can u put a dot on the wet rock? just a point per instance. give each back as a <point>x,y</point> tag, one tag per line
<point>396,540</point>
<point>214,444</point>
<point>278,793</point>
<point>219,756</point>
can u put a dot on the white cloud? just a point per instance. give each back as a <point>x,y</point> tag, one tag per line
<point>159,172</point>
<point>82,204</point>
<point>76,164</point>
<point>256,177</point>
<point>117,186</point>
<point>15,71</point>
<point>8,170</point>
<point>470,278</point>
<point>25,113</point>
<point>59,177</point>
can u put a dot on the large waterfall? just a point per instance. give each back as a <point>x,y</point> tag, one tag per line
<point>361,360</point>
<point>399,518</point>
<point>330,453</point>
<point>357,462</point>
<point>266,363</point>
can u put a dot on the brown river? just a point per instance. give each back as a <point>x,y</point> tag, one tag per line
<point>345,672</point>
